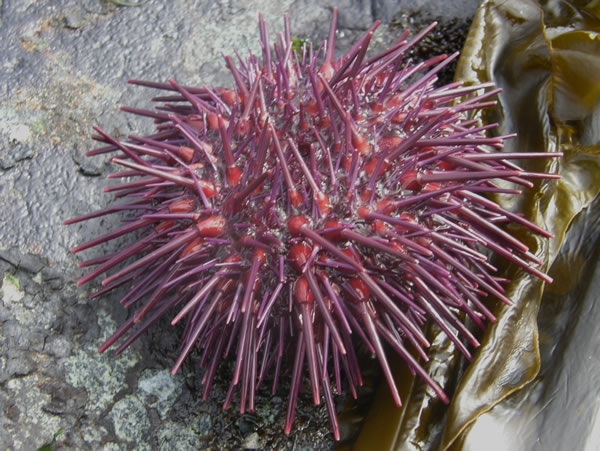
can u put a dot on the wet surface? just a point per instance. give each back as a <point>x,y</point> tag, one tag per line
<point>64,69</point>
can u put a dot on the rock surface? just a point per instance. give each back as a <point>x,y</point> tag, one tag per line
<point>65,67</point>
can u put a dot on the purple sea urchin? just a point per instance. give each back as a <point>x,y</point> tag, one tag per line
<point>316,201</point>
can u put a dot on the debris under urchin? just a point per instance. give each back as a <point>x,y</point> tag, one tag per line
<point>317,204</point>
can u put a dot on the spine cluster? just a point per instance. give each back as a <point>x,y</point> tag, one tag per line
<point>318,203</point>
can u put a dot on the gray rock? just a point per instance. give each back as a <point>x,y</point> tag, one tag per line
<point>22,339</point>
<point>17,366</point>
<point>58,346</point>
<point>28,262</point>
<point>253,441</point>
<point>74,17</point>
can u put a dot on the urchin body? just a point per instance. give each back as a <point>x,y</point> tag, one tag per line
<point>317,203</point>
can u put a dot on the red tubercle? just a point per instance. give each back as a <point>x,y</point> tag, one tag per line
<point>323,202</point>
<point>377,81</point>
<point>346,163</point>
<point>348,252</point>
<point>399,118</point>
<point>295,223</point>
<point>372,165</point>
<point>211,227</point>
<point>196,121</point>
<point>323,122</point>
<point>260,255</point>
<point>290,95</point>
<point>380,228</point>
<point>393,102</point>
<point>229,96</point>
<point>384,206</point>
<point>363,212</point>
<point>423,241</point>
<point>233,258</point>
<point>428,104</point>
<point>389,143</point>
<point>360,289</point>
<point>365,195</point>
<point>164,225</point>
<point>311,107</point>
<point>184,205</point>
<point>444,165</point>
<point>398,247</point>
<point>333,235</point>
<point>327,70</point>
<point>360,143</point>
<point>195,166</point>
<point>259,188</point>
<point>302,292</point>
<point>299,254</point>
<point>358,117</point>
<point>376,107</point>
<point>233,175</point>
<point>185,153</point>
<point>431,187</point>
<point>410,180</point>
<point>242,127</point>
<point>409,276</point>
<point>264,118</point>
<point>212,120</point>
<point>336,147</point>
<point>208,188</point>
<point>192,247</point>
<point>407,219</point>
<point>326,73</point>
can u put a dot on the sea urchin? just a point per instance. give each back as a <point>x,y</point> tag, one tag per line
<point>319,203</point>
